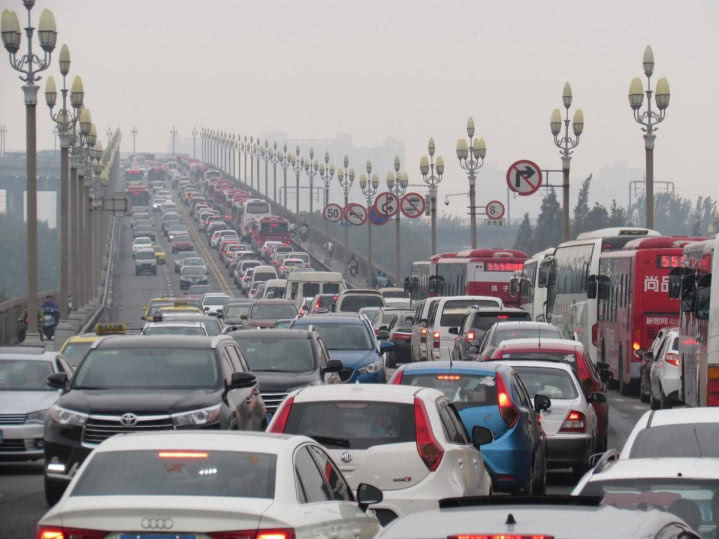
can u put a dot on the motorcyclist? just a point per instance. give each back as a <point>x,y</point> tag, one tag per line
<point>50,316</point>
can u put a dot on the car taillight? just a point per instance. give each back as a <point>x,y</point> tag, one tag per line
<point>713,386</point>
<point>397,378</point>
<point>507,409</point>
<point>435,339</point>
<point>672,359</point>
<point>469,336</point>
<point>499,536</point>
<point>60,532</point>
<point>429,450</point>
<point>279,422</point>
<point>401,336</point>
<point>285,533</point>
<point>575,422</point>
<point>423,335</point>
<point>595,332</point>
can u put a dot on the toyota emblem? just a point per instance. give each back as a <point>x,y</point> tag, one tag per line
<point>157,523</point>
<point>346,457</point>
<point>128,419</point>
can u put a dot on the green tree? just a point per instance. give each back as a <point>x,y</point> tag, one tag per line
<point>597,218</point>
<point>523,241</point>
<point>582,208</point>
<point>548,231</point>
<point>617,215</point>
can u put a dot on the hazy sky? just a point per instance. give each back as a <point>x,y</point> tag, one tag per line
<point>407,69</point>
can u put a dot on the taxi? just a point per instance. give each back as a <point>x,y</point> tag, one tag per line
<point>166,302</point>
<point>75,347</point>
<point>157,315</point>
<point>160,254</point>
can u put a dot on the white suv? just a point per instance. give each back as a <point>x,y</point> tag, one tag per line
<point>220,235</point>
<point>665,374</point>
<point>407,439</point>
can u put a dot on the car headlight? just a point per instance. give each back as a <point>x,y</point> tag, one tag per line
<point>36,418</point>
<point>375,366</point>
<point>62,416</point>
<point>202,416</point>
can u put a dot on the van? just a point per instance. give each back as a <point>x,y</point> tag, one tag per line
<point>261,273</point>
<point>449,312</point>
<point>351,301</point>
<point>275,289</point>
<point>307,284</point>
<point>418,347</point>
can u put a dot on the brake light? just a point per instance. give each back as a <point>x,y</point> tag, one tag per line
<point>713,386</point>
<point>507,410</point>
<point>448,377</point>
<point>279,422</point>
<point>502,316</point>
<point>435,338</point>
<point>182,454</point>
<point>575,422</point>
<point>672,359</point>
<point>59,532</point>
<point>469,336</point>
<point>429,450</point>
<point>286,533</point>
<point>499,536</point>
<point>595,333</point>
<point>401,336</point>
<point>423,335</point>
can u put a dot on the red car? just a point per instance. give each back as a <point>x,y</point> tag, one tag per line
<point>593,378</point>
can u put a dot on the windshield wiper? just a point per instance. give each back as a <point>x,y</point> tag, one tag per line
<point>329,440</point>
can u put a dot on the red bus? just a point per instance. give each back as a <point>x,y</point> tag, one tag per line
<point>271,228</point>
<point>473,272</point>
<point>633,303</point>
<point>138,195</point>
<point>134,176</point>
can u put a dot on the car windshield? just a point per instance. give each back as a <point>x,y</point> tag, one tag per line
<point>269,311</point>
<point>278,354</point>
<point>525,333</point>
<point>681,440</point>
<point>354,302</point>
<point>236,474</point>
<point>145,255</point>
<point>193,270</point>
<point>454,310</point>
<point>343,336</point>
<point>142,241</point>
<point>353,424</point>
<point>214,300</point>
<point>24,375</point>
<point>554,383</point>
<point>237,310</point>
<point>148,368</point>
<point>75,351</point>
<point>174,330</point>
<point>193,261</point>
<point>464,390</point>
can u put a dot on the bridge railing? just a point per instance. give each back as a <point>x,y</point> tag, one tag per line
<point>11,311</point>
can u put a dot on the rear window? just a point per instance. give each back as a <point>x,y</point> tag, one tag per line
<point>463,390</point>
<point>454,310</point>
<point>553,383</point>
<point>525,333</point>
<point>331,288</point>
<point>264,276</point>
<point>310,289</point>
<point>353,424</point>
<point>270,311</point>
<point>355,302</point>
<point>680,440</point>
<point>483,321</point>
<point>395,294</point>
<point>235,474</point>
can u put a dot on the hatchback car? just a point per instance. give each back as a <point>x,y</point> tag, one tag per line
<point>352,300</point>
<point>478,322</point>
<point>503,330</point>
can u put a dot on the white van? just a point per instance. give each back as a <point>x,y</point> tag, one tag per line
<point>262,273</point>
<point>275,289</point>
<point>447,313</point>
<point>307,284</point>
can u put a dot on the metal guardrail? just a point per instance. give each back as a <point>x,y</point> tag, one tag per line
<point>10,311</point>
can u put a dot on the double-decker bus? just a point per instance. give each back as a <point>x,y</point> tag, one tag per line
<point>473,272</point>
<point>134,176</point>
<point>270,228</point>
<point>138,195</point>
<point>631,289</point>
<point>568,271</point>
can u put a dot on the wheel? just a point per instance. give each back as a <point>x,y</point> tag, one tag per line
<point>654,404</point>
<point>643,390</point>
<point>540,485</point>
<point>53,490</point>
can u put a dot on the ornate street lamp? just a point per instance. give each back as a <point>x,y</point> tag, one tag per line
<point>346,177</point>
<point>471,162</point>
<point>398,186</point>
<point>369,189</point>
<point>432,176</point>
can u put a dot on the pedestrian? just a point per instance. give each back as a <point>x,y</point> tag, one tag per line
<point>330,248</point>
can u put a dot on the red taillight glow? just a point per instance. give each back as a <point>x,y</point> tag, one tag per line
<point>435,338</point>
<point>713,386</point>
<point>507,409</point>
<point>183,454</point>
<point>672,359</point>
<point>574,422</point>
<point>448,377</point>
<point>397,378</point>
<point>58,532</point>
<point>423,334</point>
<point>429,450</point>
<point>502,316</point>
<point>282,415</point>
<point>469,336</point>
<point>399,336</point>
<point>254,534</point>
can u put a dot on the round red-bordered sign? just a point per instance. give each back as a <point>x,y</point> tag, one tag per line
<point>524,177</point>
<point>412,205</point>
<point>386,204</point>
<point>332,213</point>
<point>355,214</point>
<point>494,209</point>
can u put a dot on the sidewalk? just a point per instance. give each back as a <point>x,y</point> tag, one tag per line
<point>336,265</point>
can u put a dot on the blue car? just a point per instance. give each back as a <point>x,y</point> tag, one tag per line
<point>351,339</point>
<point>492,396</point>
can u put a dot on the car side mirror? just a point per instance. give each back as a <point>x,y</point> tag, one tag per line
<point>602,366</point>
<point>541,402</point>
<point>368,495</point>
<point>333,365</point>
<point>605,376</point>
<point>454,331</point>
<point>597,397</point>
<point>58,380</point>
<point>243,316</point>
<point>386,346</point>
<point>383,335</point>
<point>241,380</point>
<point>481,436</point>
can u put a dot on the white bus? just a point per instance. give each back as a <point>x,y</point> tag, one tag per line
<point>568,271</point>
<point>307,284</point>
<point>253,209</point>
<point>531,287</point>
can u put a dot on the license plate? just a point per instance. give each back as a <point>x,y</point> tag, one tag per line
<point>157,536</point>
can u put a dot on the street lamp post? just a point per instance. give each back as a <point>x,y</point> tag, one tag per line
<point>194,140</point>
<point>566,145</point>
<point>134,135</point>
<point>398,186</point>
<point>471,162</point>
<point>30,65</point>
<point>369,189</point>
<point>3,132</point>
<point>428,168</point>
<point>311,167</point>
<point>346,178</point>
<point>327,172</point>
<point>285,164</point>
<point>246,151</point>
<point>266,158</point>
<point>276,158</point>
<point>649,119</point>
<point>298,164</point>
<point>258,152</point>
<point>173,132</point>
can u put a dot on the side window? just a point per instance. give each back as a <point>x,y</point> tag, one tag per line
<point>235,358</point>
<point>226,364</point>
<point>660,351</point>
<point>462,435</point>
<point>311,486</point>
<point>524,398</point>
<point>337,484</point>
<point>448,425</point>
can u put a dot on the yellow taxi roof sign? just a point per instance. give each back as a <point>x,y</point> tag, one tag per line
<point>110,329</point>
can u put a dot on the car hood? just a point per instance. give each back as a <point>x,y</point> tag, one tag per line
<point>283,382</point>
<point>257,323</point>
<point>351,359</point>
<point>23,402</point>
<point>138,400</point>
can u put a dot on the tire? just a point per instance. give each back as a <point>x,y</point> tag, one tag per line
<point>53,491</point>
<point>643,394</point>
<point>654,404</point>
<point>540,487</point>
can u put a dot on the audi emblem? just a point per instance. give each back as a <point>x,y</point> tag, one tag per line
<point>157,523</point>
<point>346,457</point>
<point>128,419</point>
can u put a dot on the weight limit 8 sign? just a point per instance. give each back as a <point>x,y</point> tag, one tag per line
<point>332,213</point>
<point>494,209</point>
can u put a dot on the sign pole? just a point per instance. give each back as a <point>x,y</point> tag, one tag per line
<point>565,198</point>
<point>473,207</point>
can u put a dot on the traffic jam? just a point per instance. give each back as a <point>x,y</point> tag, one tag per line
<point>272,399</point>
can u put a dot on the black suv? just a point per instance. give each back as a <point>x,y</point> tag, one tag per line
<point>286,359</point>
<point>141,384</point>
<point>475,324</point>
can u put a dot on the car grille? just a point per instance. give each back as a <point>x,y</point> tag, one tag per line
<point>12,419</point>
<point>100,428</point>
<point>272,401</point>
<point>346,374</point>
<point>12,445</point>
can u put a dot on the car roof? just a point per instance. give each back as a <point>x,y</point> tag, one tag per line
<point>660,468</point>
<point>159,341</point>
<point>272,301</point>
<point>514,363</point>
<point>210,440</point>
<point>37,353</point>
<point>458,366</point>
<point>364,392</point>
<point>332,318</point>
<point>174,324</point>
<point>517,324</point>
<point>282,333</point>
<point>674,416</point>
<point>549,344</point>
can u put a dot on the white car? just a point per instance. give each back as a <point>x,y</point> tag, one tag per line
<point>174,328</point>
<point>142,242</point>
<point>212,303</point>
<point>507,518</point>
<point>221,235</point>
<point>665,374</point>
<point>406,440</point>
<point>682,432</point>
<point>210,485</point>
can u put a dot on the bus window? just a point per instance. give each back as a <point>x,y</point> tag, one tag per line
<point>703,296</point>
<point>688,293</point>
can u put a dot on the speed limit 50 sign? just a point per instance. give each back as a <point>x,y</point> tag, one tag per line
<point>332,213</point>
